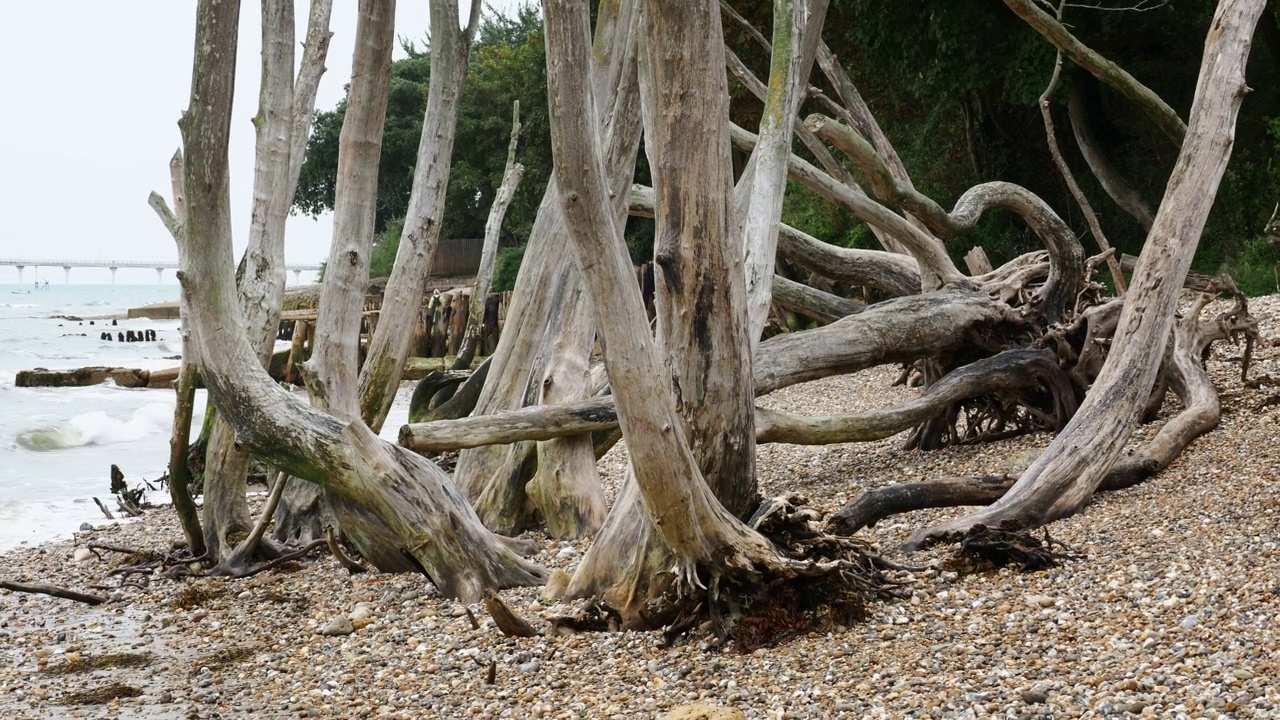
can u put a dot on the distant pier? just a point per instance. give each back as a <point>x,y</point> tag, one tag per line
<point>159,266</point>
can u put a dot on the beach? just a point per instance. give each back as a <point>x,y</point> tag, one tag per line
<point>1170,609</point>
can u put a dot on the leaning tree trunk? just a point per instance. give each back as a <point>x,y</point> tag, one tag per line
<point>402,300</point>
<point>180,439</point>
<point>443,537</point>
<point>511,176</point>
<point>694,531</point>
<point>331,373</point>
<point>547,287</point>
<point>797,29</point>
<point>1066,474</point>
<point>283,110</point>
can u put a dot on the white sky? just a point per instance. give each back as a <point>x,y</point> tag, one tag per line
<point>92,92</point>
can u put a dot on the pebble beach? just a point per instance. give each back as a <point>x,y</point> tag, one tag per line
<point>1171,608</point>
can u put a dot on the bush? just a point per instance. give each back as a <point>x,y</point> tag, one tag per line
<point>506,268</point>
<point>1255,268</point>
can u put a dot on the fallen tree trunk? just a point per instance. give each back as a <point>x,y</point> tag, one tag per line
<point>1008,373</point>
<point>1200,414</point>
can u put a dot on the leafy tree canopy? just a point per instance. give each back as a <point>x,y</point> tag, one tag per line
<point>508,63</point>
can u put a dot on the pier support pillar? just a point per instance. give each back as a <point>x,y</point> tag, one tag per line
<point>113,276</point>
<point>67,270</point>
<point>159,275</point>
<point>297,277</point>
<point>20,274</point>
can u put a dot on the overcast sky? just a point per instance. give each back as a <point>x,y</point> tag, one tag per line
<point>93,91</point>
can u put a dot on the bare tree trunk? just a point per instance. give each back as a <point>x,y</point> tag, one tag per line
<point>1100,67</point>
<point>442,535</point>
<point>180,439</point>
<point>692,527</point>
<point>797,29</point>
<point>511,176</point>
<point>389,347</point>
<point>1066,474</point>
<point>547,344</point>
<point>283,110</point>
<point>1051,136</point>
<point>1112,182</point>
<point>331,371</point>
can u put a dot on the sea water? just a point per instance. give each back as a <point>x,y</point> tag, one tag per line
<point>57,445</point>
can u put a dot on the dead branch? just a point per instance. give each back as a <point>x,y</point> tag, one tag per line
<point>511,624</point>
<point>53,590</point>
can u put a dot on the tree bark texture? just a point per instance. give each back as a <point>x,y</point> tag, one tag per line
<point>495,479</point>
<point>283,110</point>
<point>797,29</point>
<point>694,528</point>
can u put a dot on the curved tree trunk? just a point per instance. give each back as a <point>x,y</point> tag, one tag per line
<point>1066,474</point>
<point>442,535</point>
<point>1103,69</point>
<point>1108,177</point>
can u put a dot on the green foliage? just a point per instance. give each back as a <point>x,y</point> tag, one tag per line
<point>507,64</point>
<point>505,268</point>
<point>385,246</point>
<point>1256,268</point>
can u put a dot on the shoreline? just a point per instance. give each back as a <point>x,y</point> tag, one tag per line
<point>1172,610</point>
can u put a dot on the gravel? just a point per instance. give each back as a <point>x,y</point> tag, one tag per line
<point>1170,612</point>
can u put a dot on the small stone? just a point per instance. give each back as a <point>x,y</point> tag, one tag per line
<point>82,554</point>
<point>532,666</point>
<point>199,615</point>
<point>246,595</point>
<point>1042,601</point>
<point>459,611</point>
<point>1035,697</point>
<point>1242,674</point>
<point>1189,622</point>
<point>654,666</point>
<point>339,625</point>
<point>164,698</point>
<point>86,527</point>
<point>360,612</point>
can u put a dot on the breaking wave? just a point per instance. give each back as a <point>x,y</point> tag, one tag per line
<point>99,428</point>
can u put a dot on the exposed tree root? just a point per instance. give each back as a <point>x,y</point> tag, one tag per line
<point>984,549</point>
